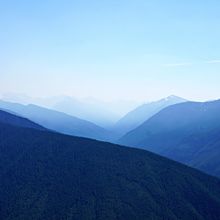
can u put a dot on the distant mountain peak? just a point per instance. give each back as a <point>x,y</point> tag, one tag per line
<point>174,97</point>
<point>186,132</point>
<point>142,113</point>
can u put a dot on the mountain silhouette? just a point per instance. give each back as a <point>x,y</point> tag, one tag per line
<point>142,113</point>
<point>58,121</point>
<point>186,132</point>
<point>9,118</point>
<point>47,175</point>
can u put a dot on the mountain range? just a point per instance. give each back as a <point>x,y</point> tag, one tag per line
<point>142,113</point>
<point>46,175</point>
<point>58,121</point>
<point>12,119</point>
<point>188,132</point>
<point>102,113</point>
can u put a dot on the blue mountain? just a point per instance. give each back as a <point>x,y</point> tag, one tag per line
<point>188,132</point>
<point>58,121</point>
<point>47,175</point>
<point>139,115</point>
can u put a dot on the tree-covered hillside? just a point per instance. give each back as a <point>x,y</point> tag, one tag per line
<point>47,176</point>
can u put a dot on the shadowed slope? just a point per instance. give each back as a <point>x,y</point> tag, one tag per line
<point>9,118</point>
<point>139,115</point>
<point>59,121</point>
<point>187,132</point>
<point>48,176</point>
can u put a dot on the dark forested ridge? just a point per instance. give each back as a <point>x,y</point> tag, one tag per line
<point>46,175</point>
<point>8,118</point>
<point>187,132</point>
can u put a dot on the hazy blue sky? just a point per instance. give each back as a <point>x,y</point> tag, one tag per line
<point>115,49</point>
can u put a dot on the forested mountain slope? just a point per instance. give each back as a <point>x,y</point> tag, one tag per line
<point>47,175</point>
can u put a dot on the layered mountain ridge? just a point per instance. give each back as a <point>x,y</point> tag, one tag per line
<point>142,113</point>
<point>46,175</point>
<point>188,132</point>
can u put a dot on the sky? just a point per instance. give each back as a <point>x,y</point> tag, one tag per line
<point>111,50</point>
